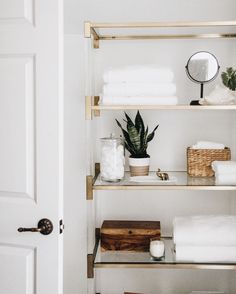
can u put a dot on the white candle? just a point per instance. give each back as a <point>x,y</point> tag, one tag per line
<point>157,248</point>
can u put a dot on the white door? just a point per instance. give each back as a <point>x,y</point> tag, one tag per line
<point>31,153</point>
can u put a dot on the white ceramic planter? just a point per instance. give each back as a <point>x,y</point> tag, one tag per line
<point>139,166</point>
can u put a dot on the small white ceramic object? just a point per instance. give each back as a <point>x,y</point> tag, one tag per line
<point>157,248</point>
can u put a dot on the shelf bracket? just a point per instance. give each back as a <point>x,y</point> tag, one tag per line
<point>88,107</point>
<point>95,38</point>
<point>91,257</point>
<point>96,100</point>
<point>89,187</point>
<point>97,169</point>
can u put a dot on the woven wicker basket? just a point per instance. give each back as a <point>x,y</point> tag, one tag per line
<point>199,160</point>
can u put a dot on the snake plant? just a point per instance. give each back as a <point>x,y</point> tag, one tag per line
<point>136,136</point>
<point>229,78</point>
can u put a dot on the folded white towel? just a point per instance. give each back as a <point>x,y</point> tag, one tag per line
<point>115,100</point>
<point>139,89</point>
<point>138,74</point>
<point>225,179</point>
<point>208,145</point>
<point>219,96</point>
<point>224,167</point>
<point>205,230</point>
<point>206,253</point>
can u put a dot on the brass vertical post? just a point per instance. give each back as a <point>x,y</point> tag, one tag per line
<point>88,109</point>
<point>90,269</point>
<point>89,187</point>
<point>87,29</point>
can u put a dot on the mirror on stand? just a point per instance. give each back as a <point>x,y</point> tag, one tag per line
<point>202,67</point>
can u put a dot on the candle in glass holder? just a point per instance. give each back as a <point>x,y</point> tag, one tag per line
<point>157,248</point>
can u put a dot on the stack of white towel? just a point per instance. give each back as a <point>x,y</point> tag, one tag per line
<point>207,145</point>
<point>208,238</point>
<point>225,172</point>
<point>147,85</point>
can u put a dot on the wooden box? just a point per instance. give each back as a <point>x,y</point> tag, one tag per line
<point>128,235</point>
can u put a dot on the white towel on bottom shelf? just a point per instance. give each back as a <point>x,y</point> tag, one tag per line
<point>205,230</point>
<point>138,74</point>
<point>139,89</point>
<point>145,100</point>
<point>208,145</point>
<point>225,179</point>
<point>224,167</point>
<point>206,253</point>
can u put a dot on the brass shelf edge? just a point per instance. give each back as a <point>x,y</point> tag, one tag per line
<point>163,107</point>
<point>164,24</point>
<point>166,266</point>
<point>162,187</point>
<point>159,37</point>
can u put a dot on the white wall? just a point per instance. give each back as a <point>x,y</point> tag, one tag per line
<point>75,234</point>
<point>76,12</point>
<point>176,132</point>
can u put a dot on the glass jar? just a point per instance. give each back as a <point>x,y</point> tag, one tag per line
<point>112,159</point>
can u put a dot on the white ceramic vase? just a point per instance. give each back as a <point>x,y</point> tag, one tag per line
<point>139,166</point>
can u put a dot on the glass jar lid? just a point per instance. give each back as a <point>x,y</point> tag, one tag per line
<point>112,138</point>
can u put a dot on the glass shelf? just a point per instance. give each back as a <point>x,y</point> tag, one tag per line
<point>126,259</point>
<point>93,108</point>
<point>163,107</point>
<point>183,182</point>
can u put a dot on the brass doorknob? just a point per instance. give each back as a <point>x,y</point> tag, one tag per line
<point>45,227</point>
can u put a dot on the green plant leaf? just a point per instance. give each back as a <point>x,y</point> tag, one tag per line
<point>229,78</point>
<point>139,124</point>
<point>144,142</point>
<point>133,133</point>
<point>151,135</point>
<point>131,151</point>
<point>128,144</point>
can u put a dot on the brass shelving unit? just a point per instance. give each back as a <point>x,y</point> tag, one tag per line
<point>98,32</point>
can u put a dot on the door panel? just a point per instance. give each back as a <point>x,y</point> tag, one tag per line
<point>19,270</point>
<point>17,11</point>
<point>17,118</point>
<point>31,145</point>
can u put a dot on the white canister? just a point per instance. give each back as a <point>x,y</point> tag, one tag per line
<point>112,159</point>
<point>157,248</point>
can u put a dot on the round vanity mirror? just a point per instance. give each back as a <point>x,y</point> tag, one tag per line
<point>202,67</point>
